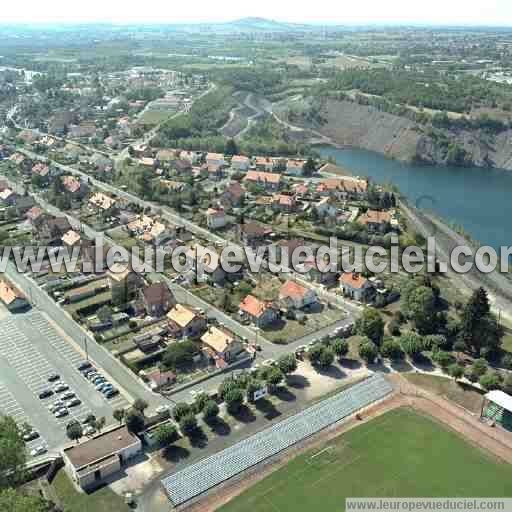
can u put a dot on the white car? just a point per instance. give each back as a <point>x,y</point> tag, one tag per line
<point>61,387</point>
<point>56,405</point>
<point>38,450</point>
<point>73,402</point>
<point>60,413</point>
<point>89,430</point>
<point>162,409</point>
<point>68,395</point>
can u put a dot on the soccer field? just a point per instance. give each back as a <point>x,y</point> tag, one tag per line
<point>400,454</point>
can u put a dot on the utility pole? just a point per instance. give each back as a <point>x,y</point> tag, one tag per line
<point>86,349</point>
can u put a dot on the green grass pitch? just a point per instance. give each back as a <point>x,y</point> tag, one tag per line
<point>400,454</point>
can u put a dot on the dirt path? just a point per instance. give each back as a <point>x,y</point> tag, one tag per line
<point>493,440</point>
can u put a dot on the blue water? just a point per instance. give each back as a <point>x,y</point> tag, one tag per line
<point>477,199</point>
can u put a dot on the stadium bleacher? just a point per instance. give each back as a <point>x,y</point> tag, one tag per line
<point>211,471</point>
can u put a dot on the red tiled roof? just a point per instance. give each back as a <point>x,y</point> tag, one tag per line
<point>293,290</point>
<point>253,306</point>
<point>353,280</point>
<point>266,177</point>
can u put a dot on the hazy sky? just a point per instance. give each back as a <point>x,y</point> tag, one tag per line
<point>474,12</point>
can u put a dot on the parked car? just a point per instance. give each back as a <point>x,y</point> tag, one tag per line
<point>92,375</point>
<point>38,450</point>
<point>45,393</point>
<point>60,413</point>
<point>58,404</point>
<point>68,395</point>
<point>162,409</point>
<point>107,388</point>
<point>99,380</point>
<point>73,402</point>
<point>88,419</point>
<point>112,392</point>
<point>30,436</point>
<point>61,387</point>
<point>88,371</point>
<point>53,377</point>
<point>88,430</point>
<point>83,365</point>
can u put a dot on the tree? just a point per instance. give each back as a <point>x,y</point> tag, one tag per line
<point>314,353</point>
<point>368,351</point>
<point>231,147</point>
<point>14,501</point>
<point>134,421</point>
<point>412,344</point>
<point>456,371</point>
<point>210,411</point>
<point>12,448</point>
<point>443,359</point>
<point>104,314</point>
<point>181,409</point>
<point>507,385</point>
<point>140,405</point>
<point>188,424</point>
<point>199,402</point>
<point>234,399</point>
<point>118,415</point>
<point>392,350</point>
<point>476,370</point>
<point>479,328</point>
<point>100,423</point>
<point>490,381</point>
<point>371,325</point>
<point>274,377</point>
<point>253,386</point>
<point>287,363</point>
<point>326,357</point>
<point>226,386</point>
<point>74,431</point>
<point>420,308</point>
<point>165,434</point>
<point>179,354</point>
<point>340,347</point>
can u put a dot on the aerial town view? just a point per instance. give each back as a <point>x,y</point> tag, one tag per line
<point>255,258</point>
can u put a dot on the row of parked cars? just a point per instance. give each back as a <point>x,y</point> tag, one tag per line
<point>97,379</point>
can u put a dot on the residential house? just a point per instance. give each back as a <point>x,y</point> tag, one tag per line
<point>253,233</point>
<point>150,230</point>
<point>50,230</point>
<point>297,296</point>
<point>185,322</point>
<point>123,282</point>
<point>182,166</point>
<point>102,201</point>
<point>209,260</point>
<point>285,249</point>
<point>267,180</point>
<point>240,163</point>
<point>215,160</point>
<point>11,297</point>
<point>158,379</point>
<point>194,157</point>
<point>295,167</point>
<point>221,346</point>
<point>8,197</point>
<point>356,287</point>
<point>284,203</point>
<point>326,207</point>
<point>376,221</point>
<point>260,313</point>
<point>264,163</point>
<point>345,187</point>
<point>233,196</point>
<point>41,170</point>
<point>94,461</point>
<point>165,156</point>
<point>74,186</point>
<point>157,299</point>
<point>33,214</point>
<point>214,172</point>
<point>70,238</point>
<point>216,218</point>
<point>323,275</point>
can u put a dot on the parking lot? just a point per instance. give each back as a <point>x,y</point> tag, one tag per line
<point>31,350</point>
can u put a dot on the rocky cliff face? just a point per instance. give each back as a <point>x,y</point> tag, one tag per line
<point>350,124</point>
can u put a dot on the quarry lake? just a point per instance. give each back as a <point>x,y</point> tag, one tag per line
<point>479,200</point>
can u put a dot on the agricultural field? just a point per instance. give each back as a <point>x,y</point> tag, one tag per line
<point>400,454</point>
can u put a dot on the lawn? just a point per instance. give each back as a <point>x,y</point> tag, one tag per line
<point>102,500</point>
<point>400,454</point>
<point>466,396</point>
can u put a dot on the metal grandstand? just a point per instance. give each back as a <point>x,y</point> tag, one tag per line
<point>211,471</point>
